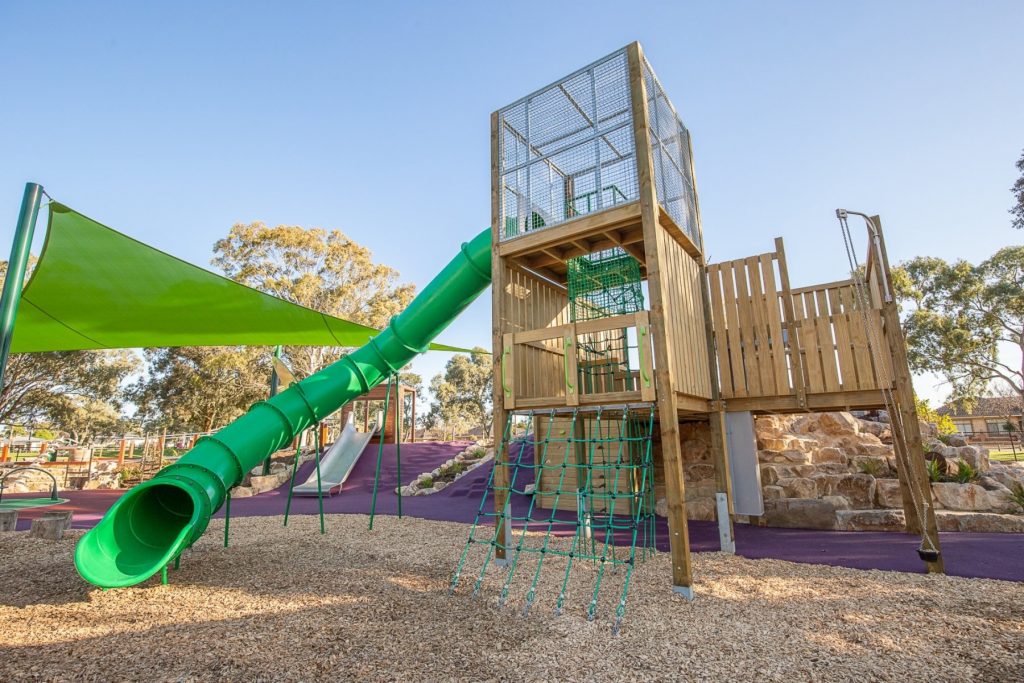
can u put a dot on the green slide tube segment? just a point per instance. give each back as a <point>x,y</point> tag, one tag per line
<point>150,525</point>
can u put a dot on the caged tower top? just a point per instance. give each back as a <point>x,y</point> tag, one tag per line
<point>604,306</point>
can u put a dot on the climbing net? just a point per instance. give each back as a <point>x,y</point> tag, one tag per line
<point>579,494</point>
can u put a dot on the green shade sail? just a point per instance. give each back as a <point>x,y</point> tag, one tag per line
<point>94,288</point>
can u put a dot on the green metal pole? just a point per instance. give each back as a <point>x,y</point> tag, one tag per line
<point>319,489</point>
<point>227,517</point>
<point>291,486</point>
<point>16,267</point>
<point>275,382</point>
<point>399,418</point>
<point>380,454</point>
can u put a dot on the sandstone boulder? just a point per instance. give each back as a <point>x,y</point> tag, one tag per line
<point>769,425</point>
<point>772,493</point>
<point>872,427</point>
<point>799,487</point>
<point>1007,477</point>
<point>957,440</point>
<point>870,520</point>
<point>836,424</point>
<point>699,472</point>
<point>887,494</point>
<point>974,456</point>
<point>985,522</point>
<point>825,483</point>
<point>838,502</point>
<point>702,509</point>
<point>790,457</point>
<point>964,497</point>
<point>859,489</point>
<point>828,454</point>
<point>800,513</point>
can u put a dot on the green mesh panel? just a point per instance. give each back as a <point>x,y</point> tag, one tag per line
<point>604,284</point>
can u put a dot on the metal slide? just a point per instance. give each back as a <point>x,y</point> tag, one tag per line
<point>337,462</point>
<point>152,524</point>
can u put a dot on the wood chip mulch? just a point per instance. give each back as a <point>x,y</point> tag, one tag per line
<point>290,604</point>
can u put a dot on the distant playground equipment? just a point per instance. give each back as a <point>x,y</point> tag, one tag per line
<point>610,330</point>
<point>338,461</point>
<point>402,407</point>
<point>54,499</point>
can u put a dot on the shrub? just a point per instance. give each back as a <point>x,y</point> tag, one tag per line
<point>129,473</point>
<point>1017,496</point>
<point>965,473</point>
<point>934,468</point>
<point>426,483</point>
<point>872,467</point>
<point>943,423</point>
<point>475,453</point>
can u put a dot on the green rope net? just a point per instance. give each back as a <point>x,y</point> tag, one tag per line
<point>581,496</point>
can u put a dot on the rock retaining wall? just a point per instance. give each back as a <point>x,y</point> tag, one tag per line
<point>838,471</point>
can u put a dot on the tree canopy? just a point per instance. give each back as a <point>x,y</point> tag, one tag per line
<point>1017,210</point>
<point>966,322</point>
<point>323,270</point>
<point>462,394</point>
<point>198,388</point>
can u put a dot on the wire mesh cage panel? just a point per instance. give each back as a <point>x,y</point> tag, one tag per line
<point>603,284</point>
<point>567,150</point>
<point>670,152</point>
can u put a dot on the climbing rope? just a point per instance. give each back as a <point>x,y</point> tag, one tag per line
<point>601,459</point>
<point>928,548</point>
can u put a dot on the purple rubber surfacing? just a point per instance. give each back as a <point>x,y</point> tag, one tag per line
<point>975,555</point>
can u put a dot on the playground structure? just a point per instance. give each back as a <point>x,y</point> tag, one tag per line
<point>594,200</point>
<point>364,411</point>
<point>338,461</point>
<point>610,330</point>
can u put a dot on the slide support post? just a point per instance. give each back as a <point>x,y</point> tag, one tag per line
<point>399,418</point>
<point>380,453</point>
<point>319,486</point>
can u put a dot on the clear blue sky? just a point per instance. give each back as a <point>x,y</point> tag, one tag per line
<point>173,120</point>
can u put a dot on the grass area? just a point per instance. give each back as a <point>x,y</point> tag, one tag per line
<point>1007,455</point>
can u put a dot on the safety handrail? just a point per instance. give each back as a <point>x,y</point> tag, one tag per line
<point>18,470</point>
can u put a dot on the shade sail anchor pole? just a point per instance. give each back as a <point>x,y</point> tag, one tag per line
<point>275,382</point>
<point>16,267</point>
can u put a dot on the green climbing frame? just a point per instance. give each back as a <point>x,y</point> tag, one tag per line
<point>603,284</point>
<point>581,492</point>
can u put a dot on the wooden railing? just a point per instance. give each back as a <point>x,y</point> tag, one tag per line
<point>774,341</point>
<point>574,377</point>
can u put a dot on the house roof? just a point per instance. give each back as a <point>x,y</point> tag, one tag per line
<point>985,407</point>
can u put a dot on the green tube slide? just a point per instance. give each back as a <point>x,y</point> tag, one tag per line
<point>150,525</point>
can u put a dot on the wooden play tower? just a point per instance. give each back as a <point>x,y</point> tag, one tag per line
<point>595,171</point>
